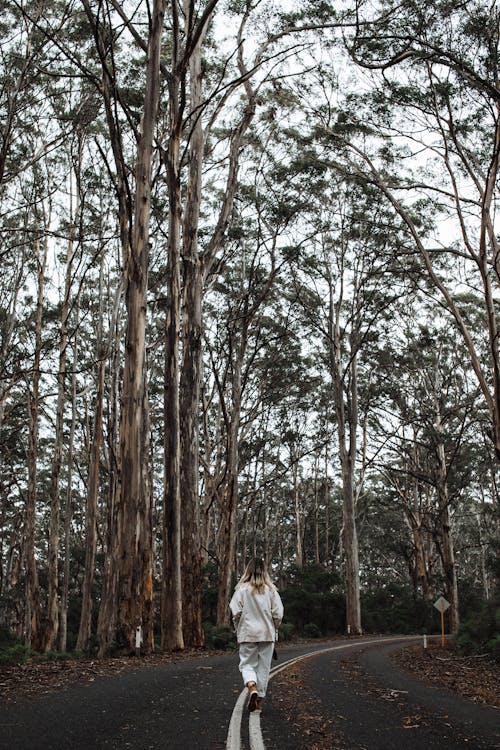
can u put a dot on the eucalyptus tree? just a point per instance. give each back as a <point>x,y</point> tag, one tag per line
<point>346,285</point>
<point>208,122</point>
<point>241,328</point>
<point>40,222</point>
<point>435,78</point>
<point>435,407</point>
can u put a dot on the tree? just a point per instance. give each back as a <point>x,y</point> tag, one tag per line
<point>449,86</point>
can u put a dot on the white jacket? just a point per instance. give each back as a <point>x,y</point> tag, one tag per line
<point>256,616</point>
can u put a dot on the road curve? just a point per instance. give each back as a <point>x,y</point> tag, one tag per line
<point>191,704</point>
<point>256,741</point>
<point>352,697</point>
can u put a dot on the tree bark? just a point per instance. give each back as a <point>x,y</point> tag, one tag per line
<point>84,631</point>
<point>171,610</point>
<point>32,624</point>
<point>63,620</point>
<point>134,591</point>
<point>52,624</point>
<point>444,533</point>
<point>347,435</point>
<point>106,621</point>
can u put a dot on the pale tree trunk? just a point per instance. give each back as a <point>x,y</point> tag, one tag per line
<point>327,509</point>
<point>10,574</point>
<point>226,537</point>
<point>196,272</point>
<point>316,514</point>
<point>345,387</point>
<point>171,609</point>
<point>420,522</point>
<point>445,537</point>
<point>210,481</point>
<point>106,621</point>
<point>134,590</point>
<point>181,595</point>
<point>484,568</point>
<point>108,609</point>
<point>32,612</point>
<point>63,620</point>
<point>52,625</point>
<point>416,519</point>
<point>299,554</point>
<point>84,631</point>
<point>190,378</point>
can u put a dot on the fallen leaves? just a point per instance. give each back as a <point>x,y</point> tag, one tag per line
<point>37,678</point>
<point>474,678</point>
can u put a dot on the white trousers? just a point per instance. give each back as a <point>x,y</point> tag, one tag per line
<point>255,664</point>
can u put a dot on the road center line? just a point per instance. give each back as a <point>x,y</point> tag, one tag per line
<point>255,732</point>
<point>233,741</point>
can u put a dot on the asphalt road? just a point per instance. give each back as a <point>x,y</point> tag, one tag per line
<point>361,701</point>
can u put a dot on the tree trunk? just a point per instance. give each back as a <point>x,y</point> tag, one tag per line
<point>32,612</point>
<point>227,528</point>
<point>52,625</point>
<point>84,632</point>
<point>299,554</point>
<point>106,621</point>
<point>445,537</point>
<point>347,435</point>
<point>134,592</point>
<point>171,609</point>
<point>63,620</point>
<point>190,379</point>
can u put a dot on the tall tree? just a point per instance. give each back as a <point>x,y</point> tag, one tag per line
<point>445,62</point>
<point>134,512</point>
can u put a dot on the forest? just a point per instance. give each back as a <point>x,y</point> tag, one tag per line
<point>249,305</point>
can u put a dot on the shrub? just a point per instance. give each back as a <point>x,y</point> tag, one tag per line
<point>219,636</point>
<point>16,654</point>
<point>311,630</point>
<point>314,594</point>
<point>480,631</point>
<point>286,631</point>
<point>394,608</point>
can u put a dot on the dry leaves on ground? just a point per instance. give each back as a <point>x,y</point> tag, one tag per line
<point>37,678</point>
<point>474,677</point>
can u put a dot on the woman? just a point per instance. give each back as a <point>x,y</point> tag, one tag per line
<point>257,612</point>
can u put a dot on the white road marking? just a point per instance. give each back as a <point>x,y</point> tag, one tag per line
<point>233,741</point>
<point>255,732</point>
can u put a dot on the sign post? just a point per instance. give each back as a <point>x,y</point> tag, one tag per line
<point>442,605</point>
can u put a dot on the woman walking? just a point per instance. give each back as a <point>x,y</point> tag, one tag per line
<point>257,612</point>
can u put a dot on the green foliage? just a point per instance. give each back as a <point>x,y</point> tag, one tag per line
<point>219,636</point>
<point>209,593</point>
<point>394,608</point>
<point>17,653</point>
<point>286,631</point>
<point>480,631</point>
<point>313,600</point>
<point>311,630</point>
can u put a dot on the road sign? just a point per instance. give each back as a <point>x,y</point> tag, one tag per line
<point>441,604</point>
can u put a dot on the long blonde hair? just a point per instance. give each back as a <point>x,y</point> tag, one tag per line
<point>256,574</point>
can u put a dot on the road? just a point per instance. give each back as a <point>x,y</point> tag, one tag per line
<point>338,696</point>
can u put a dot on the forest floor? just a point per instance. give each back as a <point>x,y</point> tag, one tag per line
<point>474,677</point>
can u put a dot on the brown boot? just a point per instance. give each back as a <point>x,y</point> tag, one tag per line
<point>252,696</point>
<point>259,704</point>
